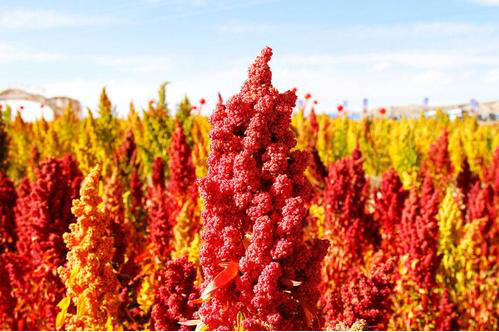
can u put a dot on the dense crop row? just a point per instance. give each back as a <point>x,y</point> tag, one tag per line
<point>256,219</point>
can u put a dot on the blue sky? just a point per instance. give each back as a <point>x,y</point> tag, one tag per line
<point>390,51</point>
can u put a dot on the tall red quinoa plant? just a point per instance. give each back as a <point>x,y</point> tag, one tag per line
<point>21,214</point>
<point>185,216</point>
<point>8,197</point>
<point>160,207</point>
<point>365,297</point>
<point>137,198</point>
<point>492,178</point>
<point>259,273</point>
<point>439,163</point>
<point>182,174</point>
<point>389,203</point>
<point>7,300</point>
<point>349,226</point>
<point>419,234</point>
<point>176,296</point>
<point>43,214</point>
<point>13,269</point>
<point>127,153</point>
<point>492,173</point>
<point>416,299</point>
<point>465,180</point>
<point>481,205</point>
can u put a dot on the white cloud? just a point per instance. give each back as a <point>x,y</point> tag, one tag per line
<point>419,28</point>
<point>486,2</point>
<point>492,76</point>
<point>414,58</point>
<point>17,53</point>
<point>46,19</point>
<point>134,64</point>
<point>238,27</point>
<point>140,64</point>
<point>381,66</point>
<point>432,78</point>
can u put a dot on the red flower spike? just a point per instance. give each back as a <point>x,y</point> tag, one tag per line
<point>7,301</point>
<point>347,189</point>
<point>389,203</point>
<point>174,305</point>
<point>43,215</point>
<point>160,207</point>
<point>419,234</point>
<point>255,185</point>
<point>492,173</point>
<point>340,108</point>
<point>308,96</point>
<point>481,205</point>
<point>439,163</point>
<point>8,197</point>
<point>181,167</point>
<point>202,101</point>
<point>128,150</point>
<point>136,192</point>
<point>158,172</point>
<point>465,181</point>
<point>365,298</point>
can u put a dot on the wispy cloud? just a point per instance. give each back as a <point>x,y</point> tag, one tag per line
<point>415,58</point>
<point>47,19</point>
<point>485,2</point>
<point>134,64</point>
<point>439,27</point>
<point>10,53</point>
<point>239,27</point>
<point>492,76</point>
<point>418,30</point>
<point>194,8</point>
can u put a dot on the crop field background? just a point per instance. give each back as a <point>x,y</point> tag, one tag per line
<point>257,218</point>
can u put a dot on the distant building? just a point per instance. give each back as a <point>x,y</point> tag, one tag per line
<point>56,104</point>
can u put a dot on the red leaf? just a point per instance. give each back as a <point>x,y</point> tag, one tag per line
<point>222,279</point>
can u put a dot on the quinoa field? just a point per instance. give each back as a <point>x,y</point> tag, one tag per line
<point>265,215</point>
